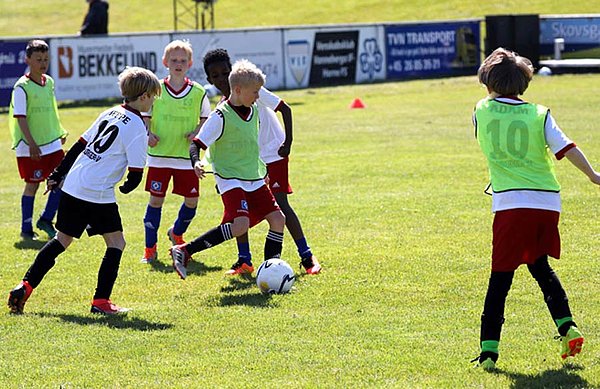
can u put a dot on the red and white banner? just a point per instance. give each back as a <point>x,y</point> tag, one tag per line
<point>87,68</point>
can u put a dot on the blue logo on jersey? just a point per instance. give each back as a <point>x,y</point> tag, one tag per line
<point>244,205</point>
<point>37,174</point>
<point>156,186</point>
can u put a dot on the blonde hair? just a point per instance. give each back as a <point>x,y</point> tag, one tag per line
<point>505,72</point>
<point>184,45</point>
<point>244,73</point>
<point>135,81</point>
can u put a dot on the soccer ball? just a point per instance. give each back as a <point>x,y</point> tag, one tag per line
<point>275,276</point>
<point>545,71</point>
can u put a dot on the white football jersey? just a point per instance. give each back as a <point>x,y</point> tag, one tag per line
<point>270,134</point>
<point>116,140</point>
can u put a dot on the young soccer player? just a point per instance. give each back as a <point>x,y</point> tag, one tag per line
<point>275,145</point>
<point>231,134</point>
<point>176,118</point>
<point>117,139</point>
<point>514,136</point>
<point>37,137</point>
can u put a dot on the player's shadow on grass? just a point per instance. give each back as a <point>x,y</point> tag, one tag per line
<point>238,283</point>
<point>30,244</point>
<point>194,267</point>
<point>230,295</point>
<point>116,321</point>
<point>566,377</point>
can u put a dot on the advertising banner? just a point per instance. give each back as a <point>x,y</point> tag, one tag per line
<point>581,35</point>
<point>12,67</point>
<point>371,55</point>
<point>261,47</point>
<point>334,58</point>
<point>87,68</point>
<point>433,49</point>
<point>333,55</point>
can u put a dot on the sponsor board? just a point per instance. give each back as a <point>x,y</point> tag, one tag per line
<point>333,56</point>
<point>12,67</point>
<point>261,47</point>
<point>581,35</point>
<point>87,68</point>
<point>431,50</point>
<point>371,55</point>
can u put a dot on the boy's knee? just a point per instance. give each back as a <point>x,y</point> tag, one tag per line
<point>64,239</point>
<point>31,188</point>
<point>156,202</point>
<point>281,198</point>
<point>118,244</point>
<point>191,202</point>
<point>277,220</point>
<point>240,226</point>
<point>116,241</point>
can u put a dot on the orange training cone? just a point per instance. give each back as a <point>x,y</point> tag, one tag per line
<point>357,103</point>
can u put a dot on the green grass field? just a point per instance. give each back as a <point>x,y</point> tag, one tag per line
<point>26,18</point>
<point>391,198</point>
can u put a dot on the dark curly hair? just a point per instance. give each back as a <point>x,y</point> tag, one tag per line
<point>216,56</point>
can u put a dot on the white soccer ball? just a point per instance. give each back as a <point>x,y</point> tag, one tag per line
<point>545,71</point>
<point>275,276</point>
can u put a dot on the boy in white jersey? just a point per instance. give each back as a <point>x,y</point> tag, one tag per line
<point>231,134</point>
<point>115,142</point>
<point>37,137</point>
<point>176,118</point>
<point>275,145</point>
<point>514,136</point>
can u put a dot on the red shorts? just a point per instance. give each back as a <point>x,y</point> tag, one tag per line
<point>278,176</point>
<point>254,205</point>
<point>185,182</point>
<point>38,171</point>
<point>523,235</point>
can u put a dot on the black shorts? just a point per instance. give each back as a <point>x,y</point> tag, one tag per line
<point>75,216</point>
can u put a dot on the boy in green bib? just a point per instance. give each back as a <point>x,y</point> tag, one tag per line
<point>37,137</point>
<point>177,115</point>
<point>515,137</point>
<point>231,135</point>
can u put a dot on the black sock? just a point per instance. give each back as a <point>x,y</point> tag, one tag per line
<point>493,309</point>
<point>107,275</point>
<point>554,295</point>
<point>211,238</point>
<point>273,245</point>
<point>44,261</point>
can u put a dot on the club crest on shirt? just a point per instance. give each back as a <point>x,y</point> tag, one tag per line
<point>244,205</point>
<point>37,174</point>
<point>156,186</point>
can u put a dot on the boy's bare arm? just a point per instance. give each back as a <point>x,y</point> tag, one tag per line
<point>34,150</point>
<point>195,159</point>
<point>152,137</point>
<point>286,113</point>
<point>577,158</point>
